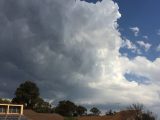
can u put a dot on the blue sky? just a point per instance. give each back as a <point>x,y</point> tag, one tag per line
<point>144,15</point>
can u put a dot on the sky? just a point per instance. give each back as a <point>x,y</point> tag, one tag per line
<point>103,53</point>
<point>144,16</point>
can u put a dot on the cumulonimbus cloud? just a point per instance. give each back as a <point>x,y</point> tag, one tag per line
<point>71,50</point>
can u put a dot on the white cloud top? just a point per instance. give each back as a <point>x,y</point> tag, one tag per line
<point>135,30</point>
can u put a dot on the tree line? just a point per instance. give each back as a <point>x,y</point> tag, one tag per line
<point>28,94</point>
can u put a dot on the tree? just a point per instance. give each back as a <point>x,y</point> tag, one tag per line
<point>140,113</point>
<point>80,110</point>
<point>137,107</point>
<point>66,108</point>
<point>95,111</point>
<point>110,112</point>
<point>27,93</point>
<point>42,106</point>
<point>148,116</point>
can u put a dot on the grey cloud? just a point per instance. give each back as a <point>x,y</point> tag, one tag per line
<point>32,47</point>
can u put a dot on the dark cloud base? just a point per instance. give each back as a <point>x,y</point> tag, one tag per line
<point>32,47</point>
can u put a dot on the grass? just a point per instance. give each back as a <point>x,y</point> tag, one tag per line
<point>70,118</point>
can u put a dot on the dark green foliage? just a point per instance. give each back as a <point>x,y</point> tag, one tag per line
<point>80,110</point>
<point>42,106</point>
<point>27,93</point>
<point>66,108</point>
<point>95,111</point>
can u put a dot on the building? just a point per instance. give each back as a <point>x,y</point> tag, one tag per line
<point>11,109</point>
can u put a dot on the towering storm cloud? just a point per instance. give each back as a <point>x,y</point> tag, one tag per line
<point>60,45</point>
<point>71,50</point>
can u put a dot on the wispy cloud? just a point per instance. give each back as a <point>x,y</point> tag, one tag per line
<point>135,30</point>
<point>158,32</point>
<point>131,46</point>
<point>145,37</point>
<point>144,45</point>
<point>158,48</point>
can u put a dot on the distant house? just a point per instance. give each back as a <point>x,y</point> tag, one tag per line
<point>11,109</point>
